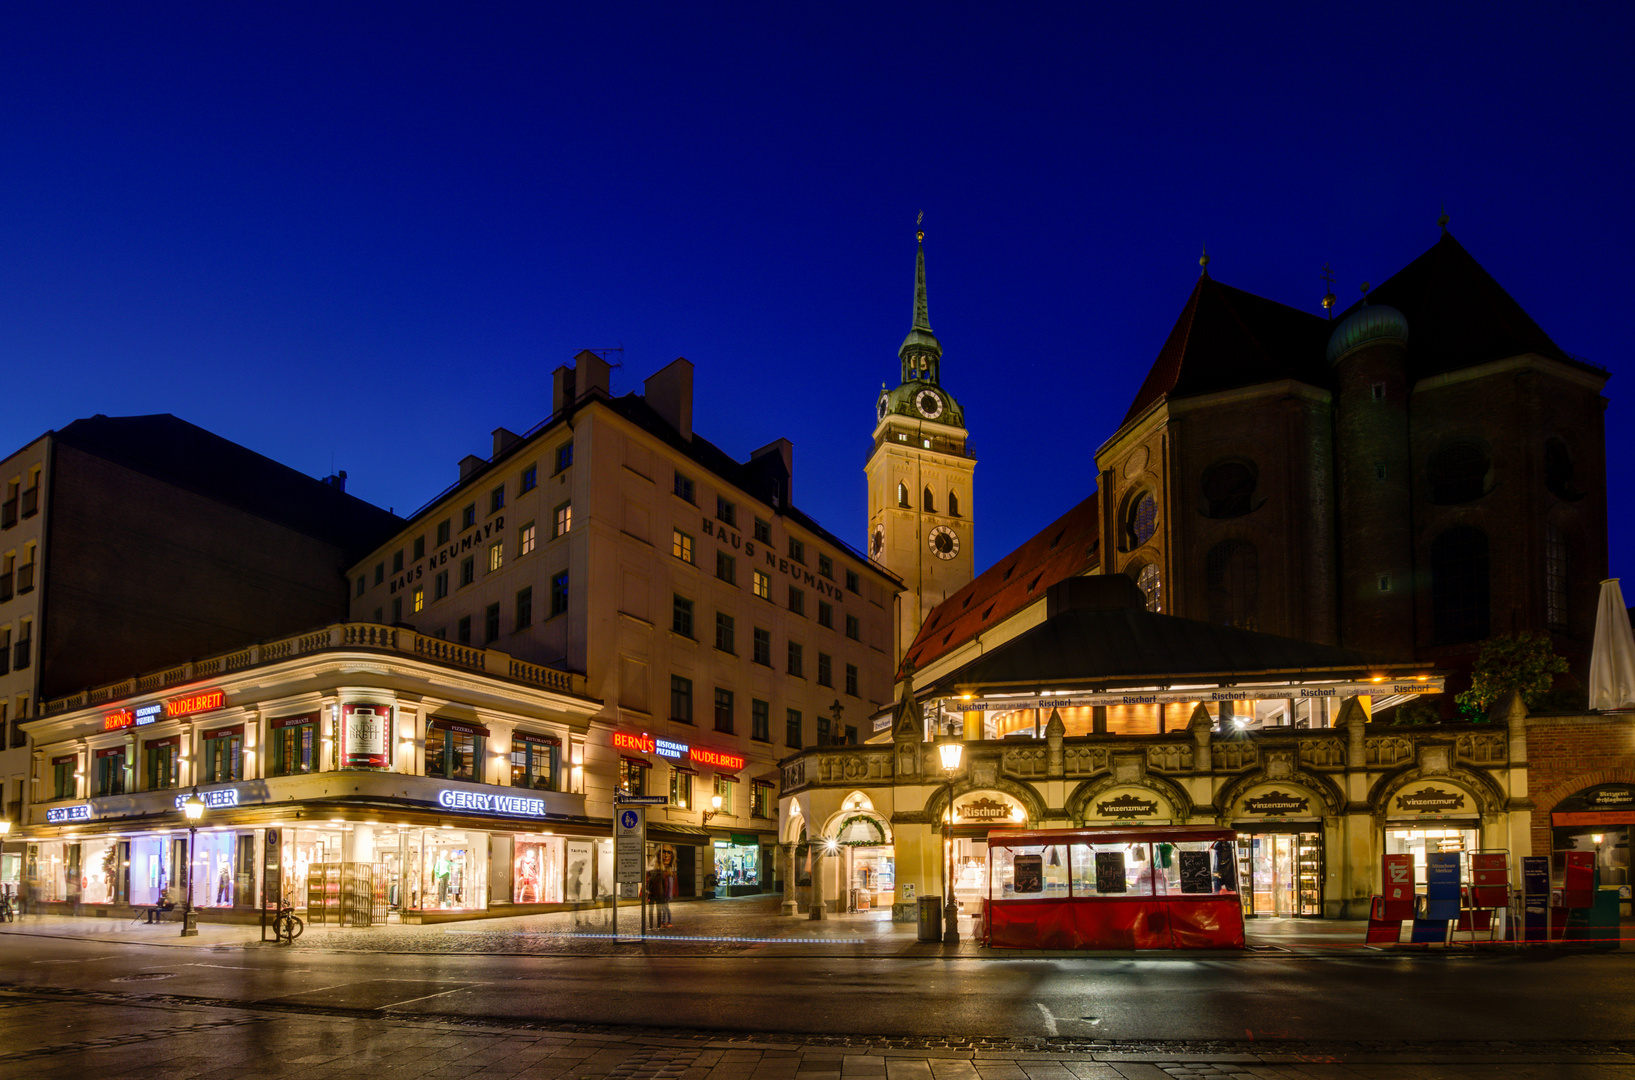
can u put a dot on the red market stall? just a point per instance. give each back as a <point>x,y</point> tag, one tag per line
<point>1150,887</point>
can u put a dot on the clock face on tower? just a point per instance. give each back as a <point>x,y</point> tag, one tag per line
<point>877,542</point>
<point>880,407</point>
<point>929,402</point>
<point>944,542</point>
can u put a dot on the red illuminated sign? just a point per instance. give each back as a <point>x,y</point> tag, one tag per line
<point>641,744</point>
<point>716,759</point>
<point>124,718</point>
<point>203,701</point>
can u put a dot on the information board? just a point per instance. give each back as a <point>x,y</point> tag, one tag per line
<point>1110,872</point>
<point>629,843</point>
<point>1399,888</point>
<point>1196,876</point>
<point>1535,891</point>
<point>1490,879</point>
<point>1442,885</point>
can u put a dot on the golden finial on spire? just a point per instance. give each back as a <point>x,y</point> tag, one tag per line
<point>1329,299</point>
<point>1365,287</point>
<point>920,235</point>
<point>1203,261</point>
<point>1442,222</point>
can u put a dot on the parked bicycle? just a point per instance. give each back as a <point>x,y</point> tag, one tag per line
<point>287,926</point>
<point>8,913</point>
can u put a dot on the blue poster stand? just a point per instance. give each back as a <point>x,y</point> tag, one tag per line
<point>1442,885</point>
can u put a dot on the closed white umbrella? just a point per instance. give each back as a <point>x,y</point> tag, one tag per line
<point>1612,660</point>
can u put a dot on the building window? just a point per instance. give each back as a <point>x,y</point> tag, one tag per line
<point>564,456</point>
<point>681,616</point>
<point>525,539</point>
<point>462,630</point>
<point>453,754</point>
<point>797,551</point>
<point>380,572</point>
<point>1232,584</point>
<point>63,784</point>
<point>468,517</point>
<point>468,570</point>
<point>496,555</point>
<point>1377,391</point>
<point>791,728</point>
<point>851,679</point>
<point>564,520</point>
<point>681,545</point>
<point>442,532</point>
<point>420,598</point>
<point>224,757</point>
<point>826,567</point>
<point>525,607</point>
<point>1458,473</point>
<point>796,660</point>
<point>726,511</point>
<point>491,624</point>
<point>760,720</point>
<point>953,504</point>
<point>854,627</point>
<point>1459,586</point>
<point>723,788</point>
<point>902,491</point>
<point>681,788</point>
<point>763,647</point>
<point>419,548</point>
<point>559,593</point>
<point>1152,586</point>
<point>21,653</point>
<point>530,479</point>
<point>684,487</point>
<point>1385,583</point>
<point>496,500</point>
<point>928,502</point>
<point>723,710</point>
<point>439,585</point>
<point>159,763</point>
<point>632,777</point>
<point>797,601</point>
<point>763,586</point>
<point>826,614</point>
<point>763,531</point>
<point>826,669</point>
<point>110,774</point>
<point>534,763</point>
<point>292,747</point>
<point>379,615</point>
<point>822,730</point>
<point>397,609</point>
<point>681,699</point>
<point>1140,520</point>
<point>363,583</point>
<point>726,568</point>
<point>1229,489</point>
<point>397,561</point>
<point>1558,471</point>
<point>852,582</point>
<point>760,800</point>
<point>1555,578</point>
<point>724,632</point>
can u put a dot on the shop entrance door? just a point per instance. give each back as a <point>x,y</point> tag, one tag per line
<point>1281,873</point>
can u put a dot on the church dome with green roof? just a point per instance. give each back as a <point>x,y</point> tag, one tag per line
<point>1369,323</point>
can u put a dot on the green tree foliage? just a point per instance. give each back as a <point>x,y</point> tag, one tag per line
<point>1526,662</point>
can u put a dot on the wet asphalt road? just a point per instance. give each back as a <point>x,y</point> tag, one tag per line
<point>1503,997</point>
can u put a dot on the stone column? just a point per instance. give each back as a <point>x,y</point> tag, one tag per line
<point>817,911</point>
<point>790,876</point>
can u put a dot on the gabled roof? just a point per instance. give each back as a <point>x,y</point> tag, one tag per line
<point>1227,338</point>
<point>1458,316</point>
<point>1097,632</point>
<point>1065,548</point>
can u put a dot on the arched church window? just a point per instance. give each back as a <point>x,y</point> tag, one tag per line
<point>953,504</point>
<point>1558,471</point>
<point>902,495</point>
<point>930,503</point>
<point>1147,578</point>
<point>1459,586</point>
<point>1229,489</point>
<point>1232,577</point>
<point>1459,473</point>
<point>1140,520</point>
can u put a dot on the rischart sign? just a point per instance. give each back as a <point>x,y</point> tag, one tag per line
<point>485,803</point>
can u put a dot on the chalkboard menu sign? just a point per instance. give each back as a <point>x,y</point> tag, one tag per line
<point>1030,873</point>
<point>1110,872</point>
<point>1195,873</point>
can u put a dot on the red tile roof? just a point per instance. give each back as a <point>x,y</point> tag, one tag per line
<point>1066,547</point>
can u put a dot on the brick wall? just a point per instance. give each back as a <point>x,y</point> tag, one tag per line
<point>1566,754</point>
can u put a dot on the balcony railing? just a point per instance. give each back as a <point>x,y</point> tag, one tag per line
<point>337,637</point>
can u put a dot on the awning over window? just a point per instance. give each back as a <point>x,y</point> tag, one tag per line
<point>225,733</point>
<point>640,763</point>
<point>538,740</point>
<point>726,778</point>
<point>292,721</point>
<point>459,725</point>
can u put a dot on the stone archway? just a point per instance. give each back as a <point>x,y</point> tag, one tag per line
<point>937,805</point>
<point>1333,800</point>
<point>1083,797</point>
<point>1490,798</point>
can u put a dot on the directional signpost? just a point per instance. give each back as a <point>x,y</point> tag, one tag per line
<point>629,850</point>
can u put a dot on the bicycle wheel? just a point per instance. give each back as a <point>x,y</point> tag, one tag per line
<point>295,927</point>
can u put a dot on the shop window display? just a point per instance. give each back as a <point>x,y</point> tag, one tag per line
<point>537,871</point>
<point>737,864</point>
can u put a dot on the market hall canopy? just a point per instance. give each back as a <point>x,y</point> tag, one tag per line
<point>1098,632</point>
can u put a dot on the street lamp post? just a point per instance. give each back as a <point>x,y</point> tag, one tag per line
<point>194,809</point>
<point>950,750</point>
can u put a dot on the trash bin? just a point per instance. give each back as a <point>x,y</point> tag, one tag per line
<point>930,918</point>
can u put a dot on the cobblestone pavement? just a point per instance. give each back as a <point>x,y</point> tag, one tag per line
<point>62,1035</point>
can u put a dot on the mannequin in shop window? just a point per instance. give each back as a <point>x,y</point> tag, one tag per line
<point>224,885</point>
<point>440,873</point>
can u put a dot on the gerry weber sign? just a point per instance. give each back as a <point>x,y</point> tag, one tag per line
<point>485,803</point>
<point>61,815</point>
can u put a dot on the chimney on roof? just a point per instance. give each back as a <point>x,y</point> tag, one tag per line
<point>337,481</point>
<point>589,375</point>
<point>470,465</point>
<point>669,392</point>
<point>503,440</point>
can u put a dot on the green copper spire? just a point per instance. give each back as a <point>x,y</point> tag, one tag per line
<point>921,352</point>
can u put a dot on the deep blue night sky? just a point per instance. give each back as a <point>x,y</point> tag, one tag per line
<point>360,237</point>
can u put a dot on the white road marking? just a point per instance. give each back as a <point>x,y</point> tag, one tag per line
<point>1050,1021</point>
<point>85,960</point>
<point>427,997</point>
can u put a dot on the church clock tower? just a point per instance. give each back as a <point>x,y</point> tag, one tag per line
<point>920,472</point>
